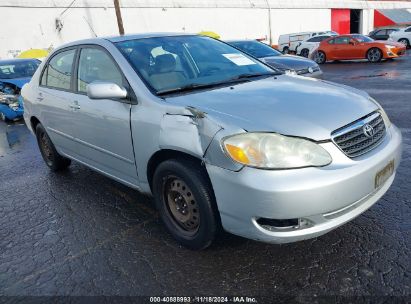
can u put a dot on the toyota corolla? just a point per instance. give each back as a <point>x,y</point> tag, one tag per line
<point>218,138</point>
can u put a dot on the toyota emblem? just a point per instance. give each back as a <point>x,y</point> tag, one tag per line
<point>368,130</point>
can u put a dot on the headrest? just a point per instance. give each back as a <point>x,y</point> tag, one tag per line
<point>165,63</point>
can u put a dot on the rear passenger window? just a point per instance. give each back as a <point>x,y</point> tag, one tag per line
<point>58,72</point>
<point>96,65</point>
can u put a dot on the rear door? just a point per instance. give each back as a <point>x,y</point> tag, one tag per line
<point>54,99</point>
<point>102,126</point>
<point>380,35</point>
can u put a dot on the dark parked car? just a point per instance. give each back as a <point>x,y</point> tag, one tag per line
<point>382,34</point>
<point>288,64</point>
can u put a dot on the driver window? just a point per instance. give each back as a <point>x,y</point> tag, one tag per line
<point>96,65</point>
<point>342,40</point>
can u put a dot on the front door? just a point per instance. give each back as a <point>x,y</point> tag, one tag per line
<point>102,126</point>
<point>342,48</point>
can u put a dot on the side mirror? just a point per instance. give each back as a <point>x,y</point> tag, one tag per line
<point>105,90</point>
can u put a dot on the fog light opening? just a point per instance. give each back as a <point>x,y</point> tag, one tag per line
<point>283,224</point>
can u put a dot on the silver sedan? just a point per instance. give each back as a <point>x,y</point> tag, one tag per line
<point>218,138</point>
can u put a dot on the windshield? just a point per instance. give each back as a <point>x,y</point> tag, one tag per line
<point>177,62</point>
<point>362,38</point>
<point>255,48</point>
<point>11,69</point>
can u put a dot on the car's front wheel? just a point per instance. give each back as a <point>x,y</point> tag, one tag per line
<point>320,57</point>
<point>405,42</point>
<point>185,200</point>
<point>374,55</point>
<point>52,158</point>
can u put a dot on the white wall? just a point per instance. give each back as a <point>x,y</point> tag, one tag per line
<point>229,23</point>
<point>27,28</point>
<point>29,24</point>
<point>367,21</point>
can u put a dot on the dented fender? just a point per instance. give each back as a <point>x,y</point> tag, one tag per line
<point>195,132</point>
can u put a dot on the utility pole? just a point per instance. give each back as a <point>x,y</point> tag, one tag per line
<point>118,15</point>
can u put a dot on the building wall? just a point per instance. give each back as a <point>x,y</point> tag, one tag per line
<point>32,23</point>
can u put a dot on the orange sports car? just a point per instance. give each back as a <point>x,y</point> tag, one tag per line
<point>355,46</point>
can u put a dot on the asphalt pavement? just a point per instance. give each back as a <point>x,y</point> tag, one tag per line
<point>77,233</point>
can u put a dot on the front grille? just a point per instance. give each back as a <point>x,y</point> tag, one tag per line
<point>354,140</point>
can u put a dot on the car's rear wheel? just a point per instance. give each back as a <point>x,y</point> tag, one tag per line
<point>405,42</point>
<point>320,57</point>
<point>374,55</point>
<point>305,53</point>
<point>286,50</point>
<point>51,157</point>
<point>185,200</point>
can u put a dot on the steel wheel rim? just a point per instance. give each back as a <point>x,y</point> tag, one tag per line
<point>45,148</point>
<point>181,205</point>
<point>374,55</point>
<point>319,57</point>
<point>403,41</point>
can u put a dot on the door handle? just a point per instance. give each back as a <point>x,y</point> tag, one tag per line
<point>75,105</point>
<point>40,97</point>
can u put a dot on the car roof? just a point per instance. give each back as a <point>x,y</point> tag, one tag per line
<point>242,40</point>
<point>15,60</point>
<point>120,38</point>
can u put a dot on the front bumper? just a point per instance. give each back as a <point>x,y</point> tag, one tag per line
<point>321,198</point>
<point>395,52</point>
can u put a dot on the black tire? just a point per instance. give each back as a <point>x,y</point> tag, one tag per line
<point>51,157</point>
<point>374,55</point>
<point>305,53</point>
<point>286,50</point>
<point>405,41</point>
<point>179,183</point>
<point>320,57</point>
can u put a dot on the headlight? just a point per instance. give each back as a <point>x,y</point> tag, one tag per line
<point>389,46</point>
<point>384,115</point>
<point>275,151</point>
<point>290,72</point>
<point>8,98</point>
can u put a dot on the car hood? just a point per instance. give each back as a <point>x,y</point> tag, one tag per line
<point>290,105</point>
<point>289,62</point>
<point>18,82</point>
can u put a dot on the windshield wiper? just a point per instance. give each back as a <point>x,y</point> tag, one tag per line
<point>248,76</point>
<point>198,86</point>
<point>186,88</point>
